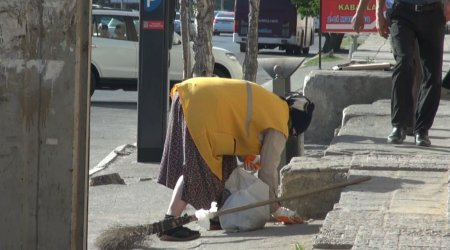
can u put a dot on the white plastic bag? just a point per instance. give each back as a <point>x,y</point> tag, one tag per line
<point>245,188</point>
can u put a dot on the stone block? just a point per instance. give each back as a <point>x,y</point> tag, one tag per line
<point>113,178</point>
<point>307,173</point>
<point>332,91</point>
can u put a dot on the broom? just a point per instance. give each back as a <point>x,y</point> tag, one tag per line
<point>125,237</point>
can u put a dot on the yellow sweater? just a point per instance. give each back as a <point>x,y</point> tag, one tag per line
<point>227,116</point>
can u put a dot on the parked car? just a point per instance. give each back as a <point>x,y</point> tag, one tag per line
<point>177,25</point>
<point>115,49</point>
<point>223,22</point>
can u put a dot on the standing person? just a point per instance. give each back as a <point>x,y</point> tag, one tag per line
<point>411,20</point>
<point>212,121</point>
<point>358,25</point>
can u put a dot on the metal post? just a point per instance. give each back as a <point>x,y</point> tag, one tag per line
<point>281,70</point>
<point>353,46</point>
<point>279,88</point>
<point>320,34</point>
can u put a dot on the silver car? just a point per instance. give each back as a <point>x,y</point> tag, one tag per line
<point>223,22</point>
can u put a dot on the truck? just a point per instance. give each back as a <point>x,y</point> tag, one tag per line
<point>279,25</point>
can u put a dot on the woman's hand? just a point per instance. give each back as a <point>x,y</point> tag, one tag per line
<point>252,162</point>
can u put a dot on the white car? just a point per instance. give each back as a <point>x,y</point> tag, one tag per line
<point>115,50</point>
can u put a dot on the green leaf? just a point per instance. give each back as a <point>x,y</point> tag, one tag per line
<point>307,7</point>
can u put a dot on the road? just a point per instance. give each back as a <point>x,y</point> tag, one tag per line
<point>114,113</point>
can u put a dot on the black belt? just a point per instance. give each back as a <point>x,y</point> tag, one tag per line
<point>419,7</point>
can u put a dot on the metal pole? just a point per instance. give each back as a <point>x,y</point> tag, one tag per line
<point>320,35</point>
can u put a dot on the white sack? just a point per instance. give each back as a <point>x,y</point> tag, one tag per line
<point>245,189</point>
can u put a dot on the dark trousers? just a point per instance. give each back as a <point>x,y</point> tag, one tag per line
<point>428,28</point>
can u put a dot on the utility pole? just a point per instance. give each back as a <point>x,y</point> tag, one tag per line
<point>44,110</point>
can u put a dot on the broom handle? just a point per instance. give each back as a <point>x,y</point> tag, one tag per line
<point>291,197</point>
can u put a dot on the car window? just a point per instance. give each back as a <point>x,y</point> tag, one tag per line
<point>136,27</point>
<point>110,27</point>
<point>225,14</point>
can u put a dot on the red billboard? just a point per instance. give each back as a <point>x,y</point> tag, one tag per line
<point>336,16</point>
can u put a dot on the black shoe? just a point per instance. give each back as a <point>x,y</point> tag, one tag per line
<point>179,234</point>
<point>397,136</point>
<point>422,139</point>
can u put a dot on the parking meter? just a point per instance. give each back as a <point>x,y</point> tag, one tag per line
<point>155,40</point>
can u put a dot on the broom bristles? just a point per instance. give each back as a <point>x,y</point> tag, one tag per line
<point>125,237</point>
<point>122,237</point>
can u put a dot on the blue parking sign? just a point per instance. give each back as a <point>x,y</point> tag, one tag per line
<point>151,5</point>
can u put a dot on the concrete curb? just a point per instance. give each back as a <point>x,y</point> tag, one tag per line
<point>111,157</point>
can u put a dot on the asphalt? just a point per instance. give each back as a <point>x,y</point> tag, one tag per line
<point>404,206</point>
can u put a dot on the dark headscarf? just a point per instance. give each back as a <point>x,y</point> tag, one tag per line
<point>300,111</point>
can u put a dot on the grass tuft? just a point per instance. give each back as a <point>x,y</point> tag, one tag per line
<point>299,246</point>
<point>313,61</point>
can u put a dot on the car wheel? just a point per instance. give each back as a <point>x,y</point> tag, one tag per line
<point>296,50</point>
<point>93,82</point>
<point>289,51</point>
<point>219,71</point>
<point>305,51</point>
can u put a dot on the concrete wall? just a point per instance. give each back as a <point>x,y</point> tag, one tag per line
<point>44,72</point>
<point>332,91</point>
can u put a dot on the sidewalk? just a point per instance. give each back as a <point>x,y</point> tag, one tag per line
<point>404,206</point>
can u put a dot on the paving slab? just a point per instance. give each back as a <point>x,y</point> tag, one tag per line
<point>406,203</point>
<point>394,210</point>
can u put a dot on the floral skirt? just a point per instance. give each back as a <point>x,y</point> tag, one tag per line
<point>181,157</point>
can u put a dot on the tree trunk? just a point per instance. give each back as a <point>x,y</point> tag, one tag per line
<point>185,35</point>
<point>204,59</point>
<point>250,66</point>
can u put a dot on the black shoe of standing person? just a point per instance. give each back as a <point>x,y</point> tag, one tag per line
<point>446,80</point>
<point>422,139</point>
<point>397,136</point>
